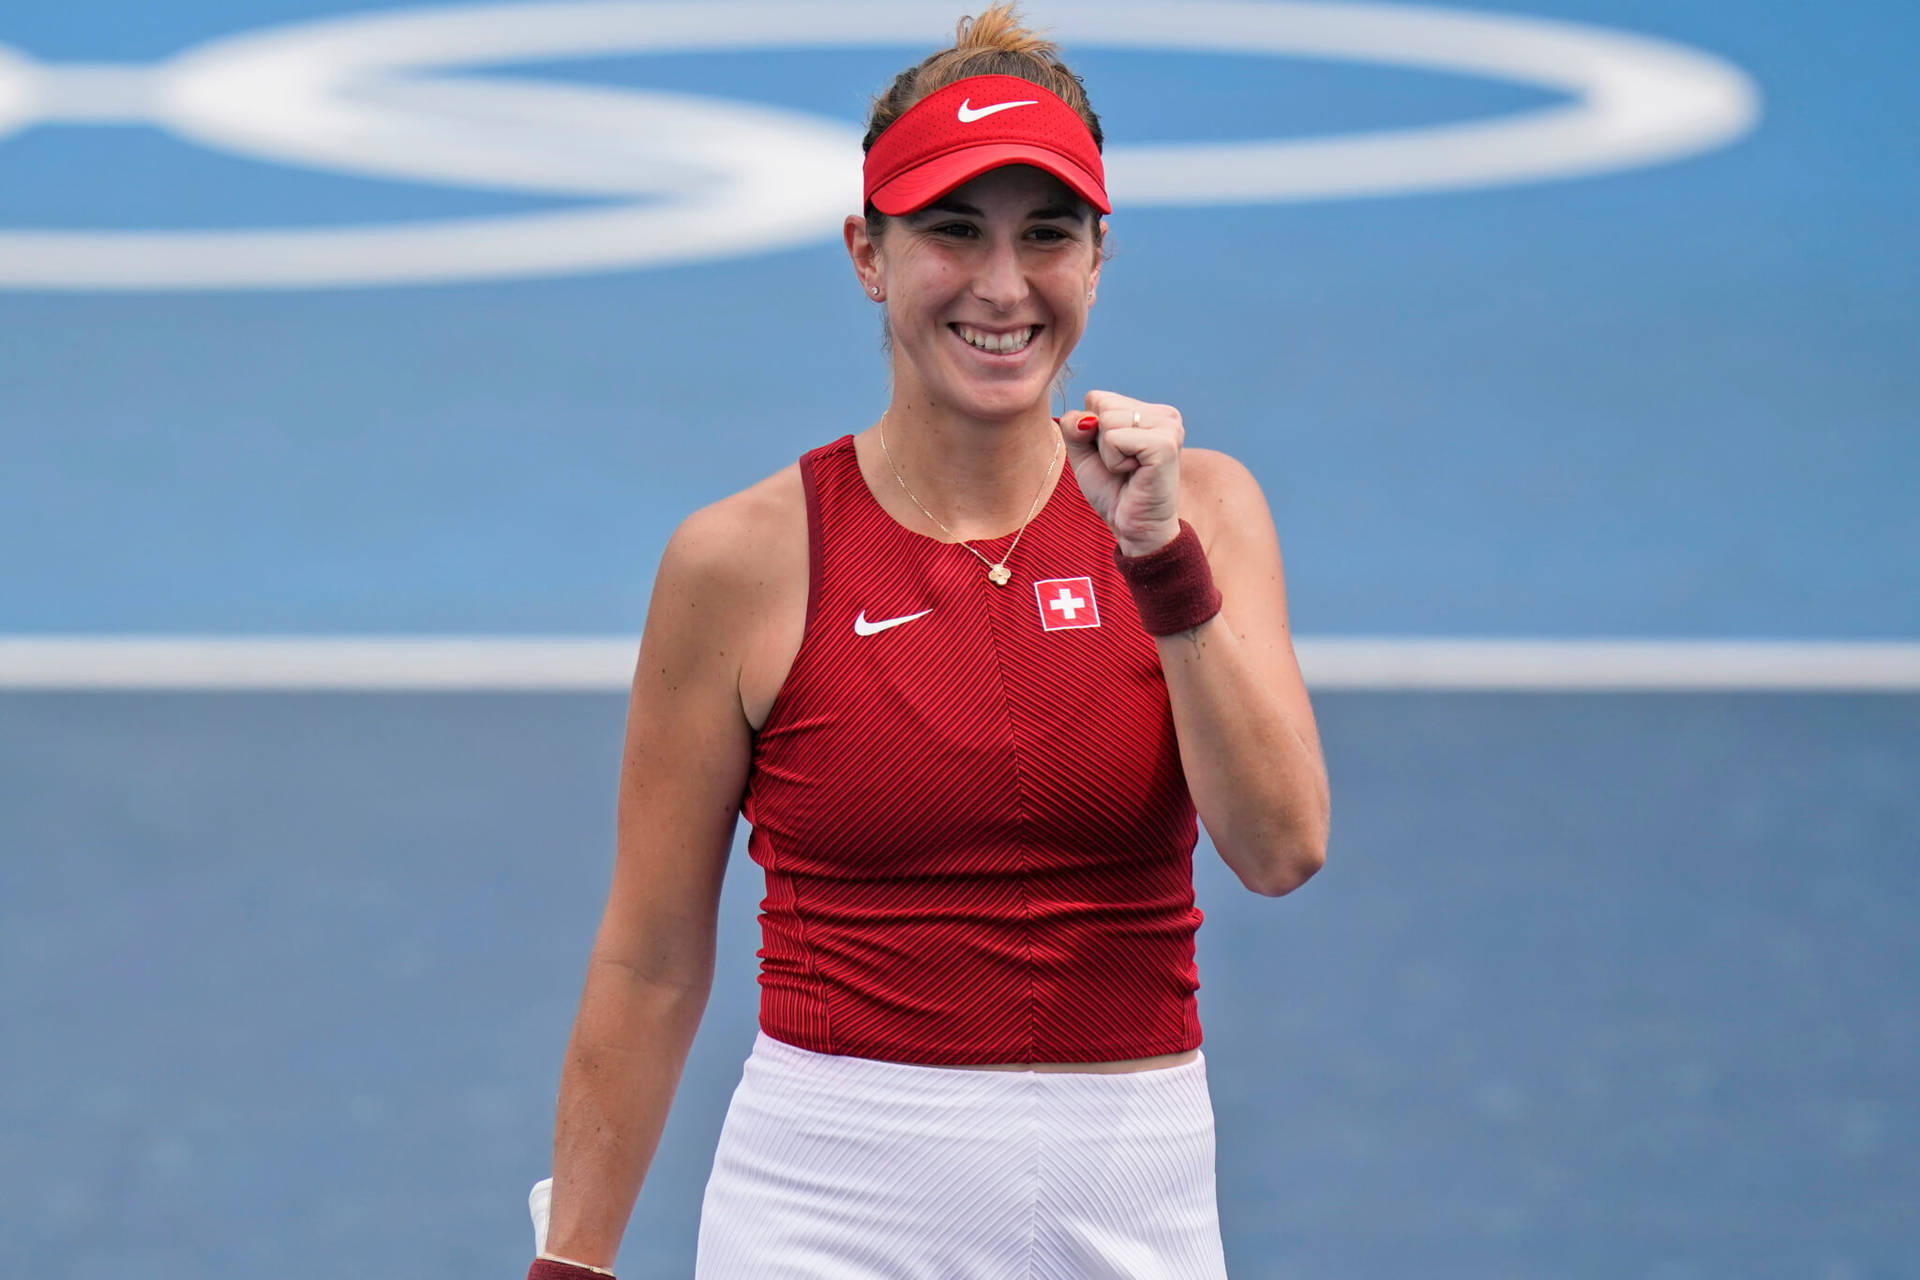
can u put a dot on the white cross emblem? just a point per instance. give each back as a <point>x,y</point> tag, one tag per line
<point>1066,603</point>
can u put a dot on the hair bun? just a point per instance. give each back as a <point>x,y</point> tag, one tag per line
<point>999,28</point>
<point>995,43</point>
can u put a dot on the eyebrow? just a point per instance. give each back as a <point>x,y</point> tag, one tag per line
<point>1063,212</point>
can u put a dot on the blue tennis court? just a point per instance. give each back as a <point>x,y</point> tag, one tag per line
<point>1606,975</point>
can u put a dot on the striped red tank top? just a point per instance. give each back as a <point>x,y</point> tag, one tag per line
<point>968,800</point>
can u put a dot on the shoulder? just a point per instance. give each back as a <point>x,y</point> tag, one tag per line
<point>1218,494</point>
<point>733,565</point>
<point>734,541</point>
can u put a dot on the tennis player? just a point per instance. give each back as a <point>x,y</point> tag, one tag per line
<point>971,675</point>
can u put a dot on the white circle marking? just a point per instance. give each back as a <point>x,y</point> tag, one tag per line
<point>372,95</point>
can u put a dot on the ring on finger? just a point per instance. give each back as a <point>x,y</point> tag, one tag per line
<point>1136,417</point>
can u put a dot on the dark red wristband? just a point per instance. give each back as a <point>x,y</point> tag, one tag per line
<point>548,1269</point>
<point>1172,587</point>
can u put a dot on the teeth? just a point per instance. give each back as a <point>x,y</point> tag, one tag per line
<point>1001,344</point>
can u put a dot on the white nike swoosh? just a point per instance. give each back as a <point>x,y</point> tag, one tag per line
<point>861,627</point>
<point>968,114</point>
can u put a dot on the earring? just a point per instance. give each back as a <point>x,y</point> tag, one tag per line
<point>874,289</point>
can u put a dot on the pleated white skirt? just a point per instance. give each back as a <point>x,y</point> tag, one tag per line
<point>841,1168</point>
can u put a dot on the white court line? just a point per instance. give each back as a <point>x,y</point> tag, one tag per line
<point>605,664</point>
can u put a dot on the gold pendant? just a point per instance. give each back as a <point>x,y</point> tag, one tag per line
<point>998,575</point>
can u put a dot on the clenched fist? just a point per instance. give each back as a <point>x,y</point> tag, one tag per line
<point>1126,455</point>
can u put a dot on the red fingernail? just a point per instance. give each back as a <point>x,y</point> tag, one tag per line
<point>1089,422</point>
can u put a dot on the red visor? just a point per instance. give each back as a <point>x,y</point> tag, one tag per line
<point>957,133</point>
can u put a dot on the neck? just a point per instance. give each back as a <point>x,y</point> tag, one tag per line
<point>978,476</point>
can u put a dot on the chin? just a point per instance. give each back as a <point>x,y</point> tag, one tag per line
<point>998,405</point>
<point>991,398</point>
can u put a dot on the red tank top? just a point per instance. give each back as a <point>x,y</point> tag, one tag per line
<point>968,800</point>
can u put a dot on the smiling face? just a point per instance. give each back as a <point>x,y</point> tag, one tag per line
<point>986,291</point>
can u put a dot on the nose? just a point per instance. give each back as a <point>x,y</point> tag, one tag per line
<point>999,280</point>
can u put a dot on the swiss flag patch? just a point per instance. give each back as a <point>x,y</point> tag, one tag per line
<point>1066,603</point>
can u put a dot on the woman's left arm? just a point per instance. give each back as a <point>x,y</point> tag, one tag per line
<point>1248,741</point>
<point>1247,737</point>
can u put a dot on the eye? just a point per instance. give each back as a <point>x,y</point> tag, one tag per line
<point>958,230</point>
<point>1050,234</point>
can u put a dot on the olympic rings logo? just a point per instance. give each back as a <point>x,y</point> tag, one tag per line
<point>681,178</point>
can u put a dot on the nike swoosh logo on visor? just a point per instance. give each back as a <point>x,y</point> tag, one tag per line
<point>861,627</point>
<point>968,113</point>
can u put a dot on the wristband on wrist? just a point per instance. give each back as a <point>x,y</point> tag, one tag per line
<point>547,1267</point>
<point>1172,587</point>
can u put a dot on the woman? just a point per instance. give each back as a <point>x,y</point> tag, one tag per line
<point>973,672</point>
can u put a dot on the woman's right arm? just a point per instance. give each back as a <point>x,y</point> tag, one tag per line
<point>682,774</point>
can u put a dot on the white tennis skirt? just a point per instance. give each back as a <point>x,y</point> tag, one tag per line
<point>840,1168</point>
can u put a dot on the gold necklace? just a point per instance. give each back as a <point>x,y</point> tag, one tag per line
<point>997,574</point>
